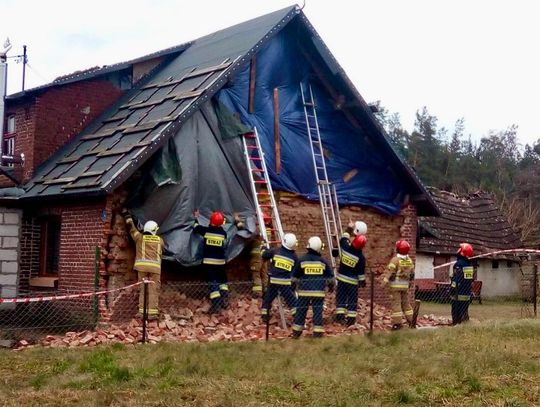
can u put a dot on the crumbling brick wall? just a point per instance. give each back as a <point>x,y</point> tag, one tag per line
<point>304,218</point>
<point>299,216</point>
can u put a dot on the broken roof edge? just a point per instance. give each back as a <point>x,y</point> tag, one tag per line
<point>425,201</point>
<point>96,72</point>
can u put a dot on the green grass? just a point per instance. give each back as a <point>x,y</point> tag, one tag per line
<point>487,364</point>
<point>489,310</point>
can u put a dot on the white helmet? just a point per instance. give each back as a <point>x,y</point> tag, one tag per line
<point>289,241</point>
<point>360,228</point>
<point>151,227</point>
<point>315,243</point>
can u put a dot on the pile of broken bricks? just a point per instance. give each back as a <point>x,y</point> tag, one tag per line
<point>184,319</point>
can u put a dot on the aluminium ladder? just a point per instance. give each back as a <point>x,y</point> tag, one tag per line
<point>327,190</point>
<point>263,196</point>
<point>262,189</point>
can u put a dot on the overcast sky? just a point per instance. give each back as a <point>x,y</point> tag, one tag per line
<point>461,58</point>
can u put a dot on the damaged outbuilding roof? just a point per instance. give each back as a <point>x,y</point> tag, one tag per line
<point>474,218</point>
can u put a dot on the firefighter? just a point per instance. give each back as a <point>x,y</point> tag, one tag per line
<point>351,274</point>
<point>214,245</point>
<point>462,278</point>
<point>256,265</point>
<point>282,263</point>
<point>400,273</point>
<point>148,251</point>
<point>311,275</point>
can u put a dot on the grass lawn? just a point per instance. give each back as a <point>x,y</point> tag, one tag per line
<point>498,309</point>
<point>484,364</point>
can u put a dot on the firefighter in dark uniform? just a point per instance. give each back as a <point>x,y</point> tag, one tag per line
<point>282,263</point>
<point>214,245</point>
<point>461,281</point>
<point>312,274</point>
<point>351,274</point>
<point>148,252</point>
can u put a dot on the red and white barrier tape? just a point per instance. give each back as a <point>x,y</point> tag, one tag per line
<point>493,254</point>
<point>65,297</point>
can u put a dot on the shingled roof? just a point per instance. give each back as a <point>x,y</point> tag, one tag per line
<point>107,152</point>
<point>475,219</point>
<point>117,143</point>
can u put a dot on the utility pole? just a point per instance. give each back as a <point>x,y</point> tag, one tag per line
<point>24,61</point>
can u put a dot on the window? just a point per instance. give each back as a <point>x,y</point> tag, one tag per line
<point>494,264</point>
<point>509,263</point>
<point>49,251</point>
<point>9,148</point>
<point>10,124</point>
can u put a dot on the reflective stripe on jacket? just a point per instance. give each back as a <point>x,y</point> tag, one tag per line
<point>148,250</point>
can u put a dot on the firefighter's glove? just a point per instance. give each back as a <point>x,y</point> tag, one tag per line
<point>392,277</point>
<point>411,277</point>
<point>335,252</point>
<point>362,283</point>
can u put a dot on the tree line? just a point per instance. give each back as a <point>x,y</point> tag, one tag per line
<point>454,161</point>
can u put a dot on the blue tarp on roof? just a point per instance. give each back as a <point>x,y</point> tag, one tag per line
<point>281,65</point>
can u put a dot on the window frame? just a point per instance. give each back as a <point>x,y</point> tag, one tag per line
<point>45,245</point>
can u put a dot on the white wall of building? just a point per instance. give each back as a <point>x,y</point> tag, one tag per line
<point>424,266</point>
<point>10,230</point>
<point>496,282</point>
<point>502,281</point>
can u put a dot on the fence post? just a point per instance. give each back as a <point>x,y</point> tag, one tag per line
<point>371,299</point>
<point>145,309</point>
<point>96,284</point>
<point>267,334</point>
<point>535,288</point>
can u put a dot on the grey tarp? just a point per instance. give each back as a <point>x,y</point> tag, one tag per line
<point>214,177</point>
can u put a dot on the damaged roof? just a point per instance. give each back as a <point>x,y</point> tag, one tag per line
<point>475,218</point>
<point>117,143</point>
<point>107,152</point>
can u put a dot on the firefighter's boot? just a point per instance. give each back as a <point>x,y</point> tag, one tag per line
<point>296,334</point>
<point>339,318</point>
<point>214,308</point>
<point>318,334</point>
<point>396,327</point>
<point>351,321</point>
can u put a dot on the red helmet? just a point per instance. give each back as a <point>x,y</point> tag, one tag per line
<point>359,242</point>
<point>267,219</point>
<point>465,249</point>
<point>403,247</point>
<point>217,219</point>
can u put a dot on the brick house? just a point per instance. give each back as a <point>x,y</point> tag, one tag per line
<point>89,139</point>
<point>476,219</point>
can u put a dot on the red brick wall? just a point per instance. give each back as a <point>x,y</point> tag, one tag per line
<point>45,123</point>
<point>62,113</point>
<point>24,136</point>
<point>83,228</point>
